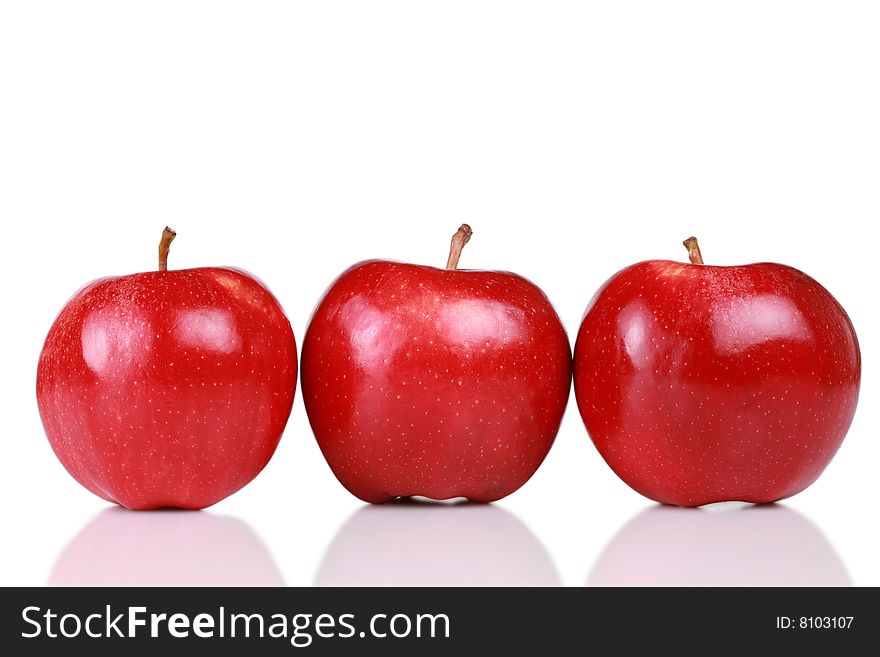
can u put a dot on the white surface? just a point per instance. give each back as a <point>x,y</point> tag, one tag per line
<point>293,139</point>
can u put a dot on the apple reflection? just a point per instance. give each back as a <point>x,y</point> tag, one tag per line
<point>408,543</point>
<point>165,548</point>
<point>728,544</point>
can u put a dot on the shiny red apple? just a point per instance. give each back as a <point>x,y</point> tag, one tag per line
<point>434,382</point>
<point>167,388</point>
<point>702,384</point>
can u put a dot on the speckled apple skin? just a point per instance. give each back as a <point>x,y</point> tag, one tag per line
<point>703,384</point>
<point>424,381</point>
<point>168,388</point>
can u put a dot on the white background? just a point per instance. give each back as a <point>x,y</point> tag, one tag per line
<point>293,139</point>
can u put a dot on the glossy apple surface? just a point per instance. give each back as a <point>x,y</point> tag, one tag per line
<point>434,382</point>
<point>701,384</point>
<point>167,388</point>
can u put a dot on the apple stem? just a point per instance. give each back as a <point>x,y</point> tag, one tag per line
<point>693,251</point>
<point>168,236</point>
<point>461,237</point>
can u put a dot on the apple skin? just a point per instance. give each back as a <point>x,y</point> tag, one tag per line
<point>431,382</point>
<point>167,388</point>
<point>703,384</point>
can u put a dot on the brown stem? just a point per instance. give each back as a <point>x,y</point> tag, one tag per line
<point>693,251</point>
<point>168,236</point>
<point>461,237</point>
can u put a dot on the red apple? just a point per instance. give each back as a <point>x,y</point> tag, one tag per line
<point>167,388</point>
<point>440,383</point>
<point>703,384</point>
